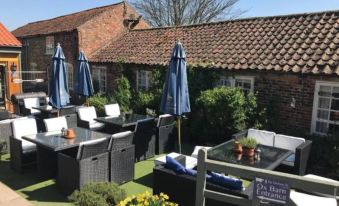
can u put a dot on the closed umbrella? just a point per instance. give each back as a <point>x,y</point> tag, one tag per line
<point>83,81</point>
<point>58,90</point>
<point>175,97</point>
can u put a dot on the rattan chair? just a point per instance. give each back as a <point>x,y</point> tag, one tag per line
<point>86,119</point>
<point>112,110</point>
<point>144,140</point>
<point>88,165</point>
<point>122,157</point>
<point>22,152</point>
<point>164,134</point>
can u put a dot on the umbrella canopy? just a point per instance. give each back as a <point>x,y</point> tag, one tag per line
<point>58,94</point>
<point>175,97</point>
<point>83,81</point>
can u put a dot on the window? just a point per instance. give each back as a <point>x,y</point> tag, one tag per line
<point>143,79</point>
<point>325,107</point>
<point>246,83</point>
<point>70,76</point>
<point>49,45</point>
<point>99,79</point>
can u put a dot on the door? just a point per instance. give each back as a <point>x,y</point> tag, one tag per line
<point>2,84</point>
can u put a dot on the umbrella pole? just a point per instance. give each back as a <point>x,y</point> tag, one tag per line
<point>179,134</point>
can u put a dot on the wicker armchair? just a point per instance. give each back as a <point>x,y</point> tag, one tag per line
<point>164,134</point>
<point>86,119</point>
<point>22,152</point>
<point>122,157</point>
<point>89,164</point>
<point>144,140</point>
<point>112,110</point>
<point>5,133</point>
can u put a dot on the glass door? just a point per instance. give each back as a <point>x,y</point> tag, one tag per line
<point>2,84</point>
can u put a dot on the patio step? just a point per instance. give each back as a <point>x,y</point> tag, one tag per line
<point>8,197</point>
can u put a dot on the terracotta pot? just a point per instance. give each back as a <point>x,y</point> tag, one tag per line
<point>238,156</point>
<point>249,152</point>
<point>70,134</point>
<point>237,147</point>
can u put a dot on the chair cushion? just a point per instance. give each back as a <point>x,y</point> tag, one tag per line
<point>112,110</point>
<point>87,113</point>
<point>196,150</point>
<point>262,136</point>
<point>174,165</point>
<point>287,142</point>
<point>226,181</point>
<point>27,146</point>
<point>96,125</point>
<point>302,199</point>
<point>161,117</point>
<point>55,124</point>
<point>22,127</point>
<point>32,102</point>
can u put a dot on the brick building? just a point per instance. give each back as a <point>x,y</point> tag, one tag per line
<point>86,30</point>
<point>292,62</point>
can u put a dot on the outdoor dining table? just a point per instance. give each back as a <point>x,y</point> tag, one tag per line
<point>49,144</point>
<point>270,157</point>
<point>47,110</point>
<point>124,121</point>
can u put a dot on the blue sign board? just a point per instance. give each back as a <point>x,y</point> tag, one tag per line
<point>270,192</point>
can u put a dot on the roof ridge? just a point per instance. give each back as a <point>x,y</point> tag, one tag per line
<point>101,7</point>
<point>238,20</point>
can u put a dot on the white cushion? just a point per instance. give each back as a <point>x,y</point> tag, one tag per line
<point>55,124</point>
<point>32,102</point>
<point>112,110</point>
<point>196,150</point>
<point>287,142</point>
<point>263,137</point>
<point>190,163</point>
<point>96,125</point>
<point>87,113</point>
<point>23,127</point>
<point>162,116</point>
<point>302,199</point>
<point>121,134</point>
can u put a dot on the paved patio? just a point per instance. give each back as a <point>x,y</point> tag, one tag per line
<point>9,197</point>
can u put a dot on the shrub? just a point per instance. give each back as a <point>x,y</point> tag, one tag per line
<point>122,93</point>
<point>223,111</point>
<point>98,101</point>
<point>98,194</point>
<point>147,199</point>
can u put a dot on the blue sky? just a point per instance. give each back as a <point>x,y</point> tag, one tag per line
<point>20,12</point>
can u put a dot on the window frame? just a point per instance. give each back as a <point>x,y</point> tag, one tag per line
<point>147,80</point>
<point>100,70</point>
<point>233,79</point>
<point>316,106</point>
<point>49,45</point>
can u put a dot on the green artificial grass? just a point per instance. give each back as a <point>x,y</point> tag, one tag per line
<point>44,192</point>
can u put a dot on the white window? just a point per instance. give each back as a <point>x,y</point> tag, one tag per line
<point>245,83</point>
<point>143,79</point>
<point>70,76</point>
<point>325,107</point>
<point>99,76</point>
<point>49,45</point>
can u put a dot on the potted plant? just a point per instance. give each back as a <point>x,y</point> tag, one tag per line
<point>249,144</point>
<point>237,146</point>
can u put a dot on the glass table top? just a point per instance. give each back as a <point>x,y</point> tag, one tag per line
<point>55,141</point>
<point>124,119</point>
<point>270,157</point>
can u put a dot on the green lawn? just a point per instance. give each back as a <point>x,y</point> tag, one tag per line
<point>44,192</point>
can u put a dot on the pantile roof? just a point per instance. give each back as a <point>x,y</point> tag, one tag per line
<point>7,39</point>
<point>60,24</point>
<point>305,43</point>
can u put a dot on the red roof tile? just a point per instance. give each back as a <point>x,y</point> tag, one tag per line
<point>7,39</point>
<point>62,23</point>
<point>305,43</point>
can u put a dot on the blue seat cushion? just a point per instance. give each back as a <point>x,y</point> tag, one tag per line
<point>174,165</point>
<point>225,181</point>
<point>290,158</point>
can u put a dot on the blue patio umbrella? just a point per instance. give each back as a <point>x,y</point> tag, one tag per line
<point>175,97</point>
<point>83,81</point>
<point>58,90</point>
